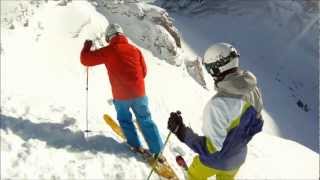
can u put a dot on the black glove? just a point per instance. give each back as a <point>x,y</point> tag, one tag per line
<point>176,125</point>
<point>88,44</point>
<point>175,121</point>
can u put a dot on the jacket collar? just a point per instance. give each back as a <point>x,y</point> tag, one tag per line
<point>239,82</point>
<point>119,39</point>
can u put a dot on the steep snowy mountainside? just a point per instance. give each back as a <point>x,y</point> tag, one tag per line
<point>43,105</point>
<point>232,6</point>
<point>278,42</point>
<point>147,25</point>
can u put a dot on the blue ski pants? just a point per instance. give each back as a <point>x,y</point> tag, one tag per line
<point>148,128</point>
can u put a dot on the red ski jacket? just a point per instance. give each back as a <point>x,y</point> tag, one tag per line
<point>125,65</point>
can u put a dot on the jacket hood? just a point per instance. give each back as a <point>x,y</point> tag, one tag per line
<point>239,82</point>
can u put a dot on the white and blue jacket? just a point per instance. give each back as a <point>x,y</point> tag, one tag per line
<point>230,120</point>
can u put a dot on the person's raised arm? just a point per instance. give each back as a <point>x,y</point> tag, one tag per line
<point>91,58</point>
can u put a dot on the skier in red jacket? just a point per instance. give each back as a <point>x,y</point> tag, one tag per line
<point>126,70</point>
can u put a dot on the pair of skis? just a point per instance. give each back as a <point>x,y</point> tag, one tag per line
<point>163,169</point>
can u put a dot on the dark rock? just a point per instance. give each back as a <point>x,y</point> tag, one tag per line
<point>300,104</point>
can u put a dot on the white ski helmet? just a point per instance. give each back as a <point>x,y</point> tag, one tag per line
<point>112,29</point>
<point>219,58</point>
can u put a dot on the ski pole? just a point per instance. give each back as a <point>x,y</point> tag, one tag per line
<point>165,143</point>
<point>87,101</point>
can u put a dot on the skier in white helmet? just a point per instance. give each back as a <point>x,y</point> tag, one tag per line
<point>230,119</point>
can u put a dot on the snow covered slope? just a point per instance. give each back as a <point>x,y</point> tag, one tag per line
<point>278,42</point>
<point>43,103</point>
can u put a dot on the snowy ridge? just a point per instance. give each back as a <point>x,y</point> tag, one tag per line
<point>43,104</point>
<point>147,25</point>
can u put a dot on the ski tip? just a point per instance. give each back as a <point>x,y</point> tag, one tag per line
<point>107,116</point>
<point>181,162</point>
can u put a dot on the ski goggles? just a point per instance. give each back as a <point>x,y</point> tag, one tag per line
<point>213,68</point>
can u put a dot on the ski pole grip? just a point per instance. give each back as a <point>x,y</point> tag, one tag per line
<point>176,130</point>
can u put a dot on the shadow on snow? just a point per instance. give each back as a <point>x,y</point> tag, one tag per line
<point>56,135</point>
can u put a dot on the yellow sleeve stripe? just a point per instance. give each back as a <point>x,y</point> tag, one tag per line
<point>236,121</point>
<point>210,147</point>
